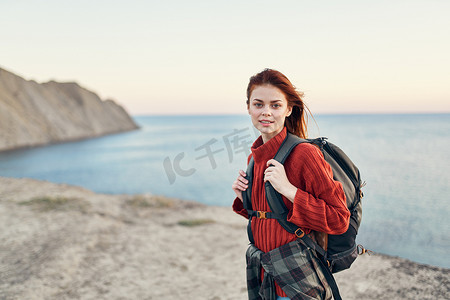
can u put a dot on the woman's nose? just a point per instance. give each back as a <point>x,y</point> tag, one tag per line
<point>266,112</point>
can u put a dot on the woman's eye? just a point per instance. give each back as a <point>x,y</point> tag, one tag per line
<point>276,106</point>
<point>258,104</point>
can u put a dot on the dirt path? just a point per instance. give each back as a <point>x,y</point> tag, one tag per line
<point>65,242</point>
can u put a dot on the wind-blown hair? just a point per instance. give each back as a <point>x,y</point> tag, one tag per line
<point>296,122</point>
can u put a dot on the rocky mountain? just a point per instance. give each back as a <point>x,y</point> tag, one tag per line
<point>33,114</point>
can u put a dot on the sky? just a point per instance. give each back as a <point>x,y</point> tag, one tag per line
<point>196,57</point>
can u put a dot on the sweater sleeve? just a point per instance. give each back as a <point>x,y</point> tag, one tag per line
<point>238,208</point>
<point>319,203</point>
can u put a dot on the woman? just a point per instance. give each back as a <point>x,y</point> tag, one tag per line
<point>316,202</point>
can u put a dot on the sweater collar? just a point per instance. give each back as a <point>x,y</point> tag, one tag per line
<point>262,152</point>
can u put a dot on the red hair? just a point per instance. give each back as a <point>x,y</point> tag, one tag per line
<point>296,122</point>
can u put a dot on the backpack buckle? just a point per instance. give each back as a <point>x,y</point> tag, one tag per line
<point>362,250</point>
<point>299,233</point>
<point>261,214</point>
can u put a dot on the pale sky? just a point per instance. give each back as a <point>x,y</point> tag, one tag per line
<point>195,57</point>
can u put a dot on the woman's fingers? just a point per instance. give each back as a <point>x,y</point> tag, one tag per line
<point>240,183</point>
<point>274,172</point>
<point>239,186</point>
<point>242,176</point>
<point>273,162</point>
<point>273,166</point>
<point>267,176</point>
<point>243,180</point>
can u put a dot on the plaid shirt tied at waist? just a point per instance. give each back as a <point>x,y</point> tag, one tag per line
<point>293,266</point>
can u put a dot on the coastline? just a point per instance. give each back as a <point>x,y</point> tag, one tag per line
<point>61,241</point>
<point>67,141</point>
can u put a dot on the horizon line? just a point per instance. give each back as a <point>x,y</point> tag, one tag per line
<point>316,114</point>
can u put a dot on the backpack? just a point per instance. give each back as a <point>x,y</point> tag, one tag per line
<point>342,249</point>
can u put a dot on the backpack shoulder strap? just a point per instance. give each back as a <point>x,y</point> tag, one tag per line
<point>277,206</point>
<point>274,198</point>
<point>287,146</point>
<point>247,195</point>
<point>247,199</point>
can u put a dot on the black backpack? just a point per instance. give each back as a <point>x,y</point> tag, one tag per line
<point>342,249</point>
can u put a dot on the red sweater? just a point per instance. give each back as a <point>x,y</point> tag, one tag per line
<point>319,203</point>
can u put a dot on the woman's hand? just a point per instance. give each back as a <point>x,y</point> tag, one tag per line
<point>240,184</point>
<point>276,175</point>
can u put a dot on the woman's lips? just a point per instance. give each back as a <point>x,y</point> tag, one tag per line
<point>265,122</point>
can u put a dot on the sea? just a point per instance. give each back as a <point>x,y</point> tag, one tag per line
<point>403,158</point>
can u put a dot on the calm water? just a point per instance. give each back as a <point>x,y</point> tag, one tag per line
<point>403,158</point>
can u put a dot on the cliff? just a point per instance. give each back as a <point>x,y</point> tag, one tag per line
<point>33,114</point>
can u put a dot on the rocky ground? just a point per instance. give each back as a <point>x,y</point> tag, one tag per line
<point>65,242</point>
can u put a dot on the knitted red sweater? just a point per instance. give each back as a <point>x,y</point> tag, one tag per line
<point>319,203</point>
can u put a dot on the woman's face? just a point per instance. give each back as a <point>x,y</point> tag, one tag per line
<point>268,109</point>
